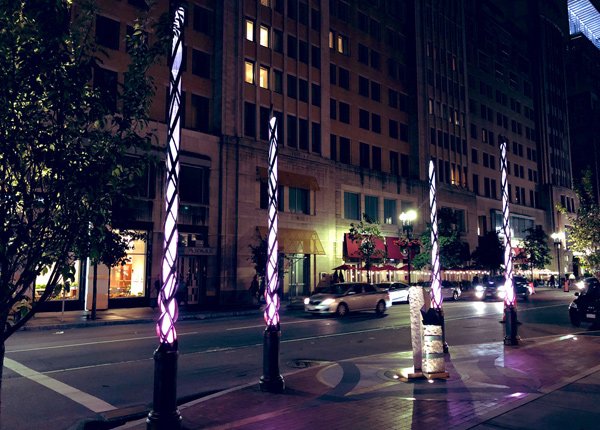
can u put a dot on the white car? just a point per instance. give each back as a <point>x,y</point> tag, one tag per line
<point>398,291</point>
<point>340,299</point>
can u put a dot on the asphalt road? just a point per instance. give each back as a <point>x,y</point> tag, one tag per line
<point>74,372</point>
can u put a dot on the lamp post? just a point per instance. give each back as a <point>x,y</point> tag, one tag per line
<point>407,218</point>
<point>558,237</point>
<point>164,414</point>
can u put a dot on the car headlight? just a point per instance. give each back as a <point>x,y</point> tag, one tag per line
<point>306,300</point>
<point>501,288</point>
<point>327,301</point>
<point>479,288</point>
<point>580,285</point>
<point>573,305</point>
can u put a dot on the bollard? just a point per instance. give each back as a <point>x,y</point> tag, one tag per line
<point>433,352</point>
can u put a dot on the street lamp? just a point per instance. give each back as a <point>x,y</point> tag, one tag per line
<point>558,238</point>
<point>407,218</point>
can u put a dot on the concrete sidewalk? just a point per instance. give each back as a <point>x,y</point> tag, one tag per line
<point>544,383</point>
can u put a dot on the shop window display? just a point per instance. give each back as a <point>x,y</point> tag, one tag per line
<point>128,280</point>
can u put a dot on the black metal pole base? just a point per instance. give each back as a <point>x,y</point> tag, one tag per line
<point>440,313</point>
<point>511,325</point>
<point>164,414</point>
<point>271,380</point>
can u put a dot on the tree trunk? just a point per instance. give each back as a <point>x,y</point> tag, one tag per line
<point>94,291</point>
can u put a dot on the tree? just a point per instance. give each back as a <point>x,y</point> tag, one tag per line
<point>454,253</point>
<point>535,248</point>
<point>63,143</point>
<point>364,233</point>
<point>490,252</point>
<point>584,230</point>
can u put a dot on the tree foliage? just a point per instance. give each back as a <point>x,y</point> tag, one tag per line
<point>489,253</point>
<point>63,144</point>
<point>364,233</point>
<point>454,253</point>
<point>535,247</point>
<point>584,226</point>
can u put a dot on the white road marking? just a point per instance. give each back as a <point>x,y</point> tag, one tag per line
<point>263,325</point>
<point>92,403</point>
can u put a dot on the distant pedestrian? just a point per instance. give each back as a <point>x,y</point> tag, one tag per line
<point>154,301</point>
<point>261,291</point>
<point>341,277</point>
<point>336,278</point>
<point>182,293</point>
<point>552,282</point>
<point>254,290</point>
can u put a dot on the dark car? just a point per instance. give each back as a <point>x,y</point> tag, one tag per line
<point>586,306</point>
<point>494,288</point>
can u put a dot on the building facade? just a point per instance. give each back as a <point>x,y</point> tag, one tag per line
<point>365,94</point>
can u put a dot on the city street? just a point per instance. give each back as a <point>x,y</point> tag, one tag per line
<point>112,366</point>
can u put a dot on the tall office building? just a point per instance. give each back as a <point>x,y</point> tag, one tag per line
<point>365,94</point>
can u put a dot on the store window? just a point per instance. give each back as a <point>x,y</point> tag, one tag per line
<point>68,292</point>
<point>128,280</point>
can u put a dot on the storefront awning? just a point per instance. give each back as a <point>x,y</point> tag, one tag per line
<point>351,248</point>
<point>393,250</point>
<point>289,179</point>
<point>296,241</point>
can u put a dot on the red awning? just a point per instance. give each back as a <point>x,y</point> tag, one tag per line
<point>393,250</point>
<point>351,248</point>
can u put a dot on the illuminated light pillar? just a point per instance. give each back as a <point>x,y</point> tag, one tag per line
<point>436,282</point>
<point>271,380</point>
<point>510,299</point>
<point>164,414</point>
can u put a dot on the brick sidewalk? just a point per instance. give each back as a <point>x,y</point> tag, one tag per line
<point>487,383</point>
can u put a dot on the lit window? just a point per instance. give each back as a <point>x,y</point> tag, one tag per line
<point>263,78</point>
<point>265,2</point>
<point>342,44</point>
<point>249,72</point>
<point>264,36</point>
<point>331,39</point>
<point>250,30</point>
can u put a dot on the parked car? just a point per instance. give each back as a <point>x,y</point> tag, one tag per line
<point>342,298</point>
<point>493,288</point>
<point>450,290</point>
<point>586,306</point>
<point>398,291</point>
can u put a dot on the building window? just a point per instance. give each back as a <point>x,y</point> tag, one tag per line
<point>315,54</point>
<point>394,166</point>
<point>266,3</point>
<point>342,44</point>
<point>278,81</point>
<point>351,206</point>
<point>303,90</point>
<point>303,134</point>
<point>201,64</point>
<point>200,113</point>
<point>129,279</point>
<point>263,77</point>
<point>375,91</point>
<point>372,208</point>
<point>278,41</point>
<point>107,32</point>
<point>365,155</point>
<point>299,200</point>
<point>389,211</point>
<point>363,54</point>
<point>315,95</point>
<point>250,30</point>
<point>203,19</point>
<point>344,112</point>
<point>264,36</point>
<point>344,80</point>
<point>393,129</point>
<point>249,72</point>
<point>376,158</point>
<point>376,123</point>
<point>316,138</point>
<point>292,125</point>
<point>292,84</point>
<point>363,86</point>
<point>332,109</point>
<point>105,82</point>
<point>303,51</point>
<point>333,147</point>
<point>345,150</point>
<point>476,184</point>
<point>249,119</point>
<point>363,119</point>
<point>292,50</point>
<point>263,118</point>
<point>264,197</point>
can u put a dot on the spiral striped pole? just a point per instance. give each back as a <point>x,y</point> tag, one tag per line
<point>271,380</point>
<point>436,282</point>
<point>510,308</point>
<point>164,413</point>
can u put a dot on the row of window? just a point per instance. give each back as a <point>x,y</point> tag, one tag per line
<point>445,112</point>
<point>451,173</point>
<point>356,204</point>
<point>490,190</point>
<point>370,156</point>
<point>298,200</point>
<point>448,141</point>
